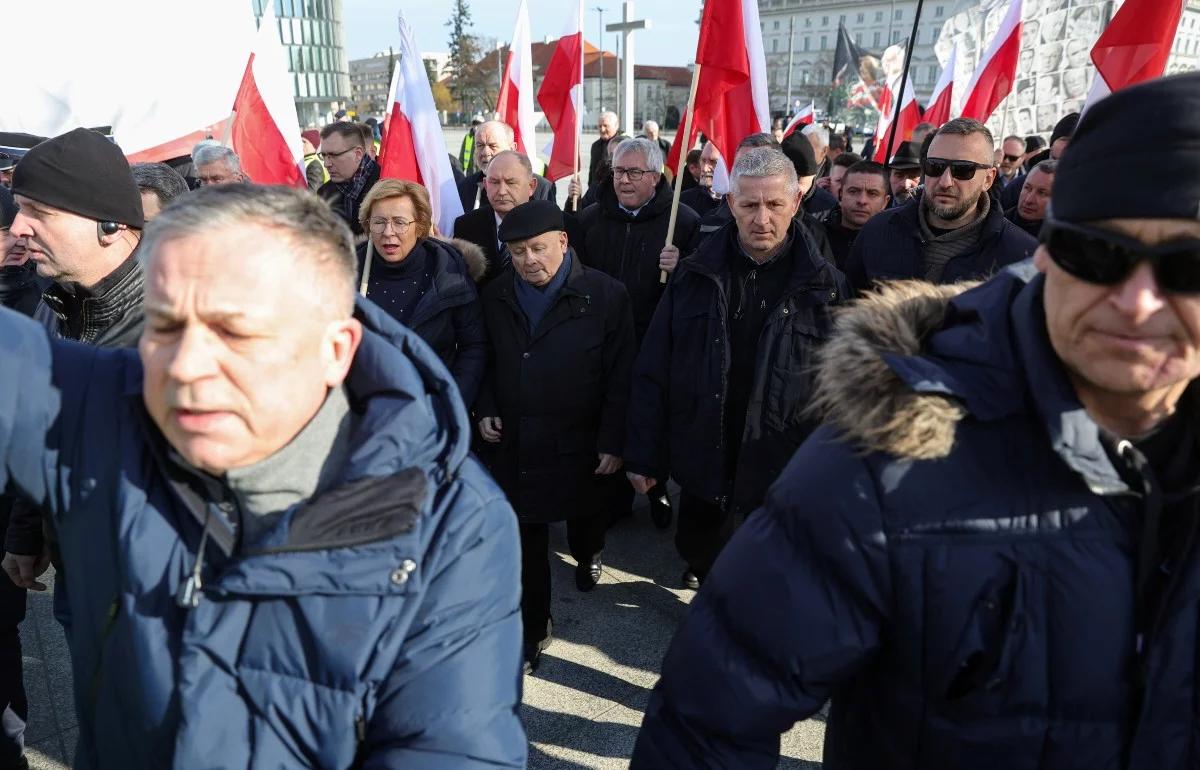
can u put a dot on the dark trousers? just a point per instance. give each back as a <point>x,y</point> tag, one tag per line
<point>702,532</point>
<point>15,708</point>
<point>585,538</point>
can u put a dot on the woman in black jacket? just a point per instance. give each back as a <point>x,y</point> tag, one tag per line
<point>423,282</point>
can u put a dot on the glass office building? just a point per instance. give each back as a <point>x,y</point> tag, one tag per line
<point>313,34</point>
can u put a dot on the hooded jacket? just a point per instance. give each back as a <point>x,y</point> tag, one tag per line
<point>626,246</point>
<point>890,247</point>
<point>680,390</point>
<point>342,636</point>
<point>950,559</point>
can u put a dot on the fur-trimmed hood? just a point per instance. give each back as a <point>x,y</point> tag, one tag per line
<point>473,255</point>
<point>859,392</point>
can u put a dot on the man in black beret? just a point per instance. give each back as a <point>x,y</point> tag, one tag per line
<point>552,407</point>
<point>953,230</point>
<point>989,554</point>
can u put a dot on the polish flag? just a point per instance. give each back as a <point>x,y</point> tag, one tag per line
<point>265,132</point>
<point>910,118</point>
<point>412,147</point>
<point>938,111</point>
<point>804,117</point>
<point>515,102</point>
<point>731,97</point>
<point>994,76</point>
<point>561,99</point>
<point>1135,46</point>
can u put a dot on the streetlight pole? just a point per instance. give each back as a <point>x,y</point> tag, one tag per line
<point>600,44</point>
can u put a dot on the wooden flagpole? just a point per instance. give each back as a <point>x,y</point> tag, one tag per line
<point>681,163</point>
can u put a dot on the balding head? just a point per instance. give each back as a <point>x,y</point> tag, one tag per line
<point>509,181</point>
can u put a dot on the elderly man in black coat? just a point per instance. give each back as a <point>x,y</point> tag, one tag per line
<point>623,235</point>
<point>552,409</point>
<point>723,377</point>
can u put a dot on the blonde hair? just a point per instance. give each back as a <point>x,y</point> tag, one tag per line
<point>398,188</point>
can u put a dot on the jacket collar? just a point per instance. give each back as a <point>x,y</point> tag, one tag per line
<point>716,252</point>
<point>905,218</point>
<point>91,311</point>
<point>656,206</point>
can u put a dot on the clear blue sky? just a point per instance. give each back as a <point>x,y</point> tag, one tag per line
<point>371,24</point>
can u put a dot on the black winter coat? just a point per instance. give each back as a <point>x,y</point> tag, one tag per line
<point>560,393</point>
<point>448,316</point>
<point>951,559</point>
<point>21,288</point>
<point>1033,228</point>
<point>890,247</point>
<point>626,247</point>
<point>331,193</point>
<point>680,382</point>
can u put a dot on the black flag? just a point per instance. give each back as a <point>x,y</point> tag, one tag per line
<point>858,69</point>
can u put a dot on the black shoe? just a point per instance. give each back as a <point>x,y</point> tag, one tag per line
<point>587,574</point>
<point>533,652</point>
<point>691,580</point>
<point>660,511</point>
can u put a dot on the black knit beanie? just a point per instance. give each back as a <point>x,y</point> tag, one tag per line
<point>84,173</point>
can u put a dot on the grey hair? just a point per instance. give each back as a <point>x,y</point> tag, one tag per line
<point>207,152</point>
<point>646,125</point>
<point>521,157</point>
<point>608,116</point>
<point>508,130</point>
<point>160,179</point>
<point>761,162</point>
<point>306,224</point>
<point>822,133</point>
<point>1046,167</point>
<point>650,151</point>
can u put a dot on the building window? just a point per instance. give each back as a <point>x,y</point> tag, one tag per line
<point>823,42</point>
<point>806,42</point>
<point>860,18</point>
<point>776,25</point>
<point>933,74</point>
<point>824,21</point>
<point>897,36</point>
<point>808,21</point>
<point>899,14</point>
<point>875,43</point>
<point>937,12</point>
<point>878,16</point>
<point>842,19</point>
<point>858,38</point>
<point>774,45</point>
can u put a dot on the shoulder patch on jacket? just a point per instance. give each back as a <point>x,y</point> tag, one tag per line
<point>363,511</point>
<point>859,394</point>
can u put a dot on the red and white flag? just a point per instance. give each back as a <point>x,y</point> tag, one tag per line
<point>731,97</point>
<point>804,117</point>
<point>412,147</point>
<point>561,98</point>
<point>265,132</point>
<point>1135,45</point>
<point>997,70</point>
<point>910,113</point>
<point>938,111</point>
<point>515,102</point>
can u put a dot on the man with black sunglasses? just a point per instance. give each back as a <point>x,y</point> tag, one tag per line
<point>986,557</point>
<point>1011,157</point>
<point>953,230</point>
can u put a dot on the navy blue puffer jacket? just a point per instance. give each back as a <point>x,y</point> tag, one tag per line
<point>950,560</point>
<point>373,626</point>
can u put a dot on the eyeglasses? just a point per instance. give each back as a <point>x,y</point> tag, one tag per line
<point>961,170</point>
<point>1012,158</point>
<point>634,174</point>
<point>380,225</point>
<point>327,155</point>
<point>1107,258</point>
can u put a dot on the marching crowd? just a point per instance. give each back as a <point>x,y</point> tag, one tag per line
<point>931,424</point>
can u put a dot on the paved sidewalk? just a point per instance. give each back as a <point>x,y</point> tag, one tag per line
<point>582,707</point>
